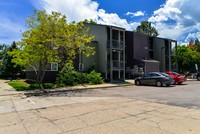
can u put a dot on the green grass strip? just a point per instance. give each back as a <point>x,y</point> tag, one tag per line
<point>19,85</point>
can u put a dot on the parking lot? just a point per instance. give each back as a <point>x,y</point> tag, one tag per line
<point>184,95</point>
<point>119,110</point>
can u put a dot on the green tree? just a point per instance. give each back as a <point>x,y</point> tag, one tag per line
<point>91,21</point>
<point>187,58</point>
<point>3,51</point>
<point>146,28</point>
<point>48,37</point>
<point>197,45</point>
<point>7,66</point>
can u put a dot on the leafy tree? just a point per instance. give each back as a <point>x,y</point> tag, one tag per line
<point>91,21</point>
<point>3,50</point>
<point>187,58</point>
<point>194,45</point>
<point>146,28</point>
<point>7,66</point>
<point>49,37</point>
<point>197,45</point>
<point>191,44</point>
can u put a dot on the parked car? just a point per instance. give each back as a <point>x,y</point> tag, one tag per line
<point>178,78</point>
<point>198,76</point>
<point>154,78</point>
<point>169,76</point>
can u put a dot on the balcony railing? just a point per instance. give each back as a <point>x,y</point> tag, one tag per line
<point>116,44</point>
<point>116,64</point>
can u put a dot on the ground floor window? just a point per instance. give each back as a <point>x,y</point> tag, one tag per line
<point>52,66</point>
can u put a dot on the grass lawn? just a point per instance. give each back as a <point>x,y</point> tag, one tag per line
<point>19,85</point>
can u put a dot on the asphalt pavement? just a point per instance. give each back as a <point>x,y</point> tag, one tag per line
<point>86,112</point>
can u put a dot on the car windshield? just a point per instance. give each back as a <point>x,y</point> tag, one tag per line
<point>165,74</point>
<point>174,73</point>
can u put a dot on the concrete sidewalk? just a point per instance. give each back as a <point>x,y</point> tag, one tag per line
<point>6,89</point>
<point>94,115</point>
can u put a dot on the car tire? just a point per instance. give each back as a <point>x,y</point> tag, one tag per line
<point>198,78</point>
<point>137,83</point>
<point>179,83</point>
<point>158,83</point>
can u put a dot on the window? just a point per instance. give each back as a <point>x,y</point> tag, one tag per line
<point>52,66</point>
<point>48,67</point>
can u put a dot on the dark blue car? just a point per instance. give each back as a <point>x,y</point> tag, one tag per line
<point>154,78</point>
<point>198,76</point>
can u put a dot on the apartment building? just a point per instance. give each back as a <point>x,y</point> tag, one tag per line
<point>148,54</point>
<point>121,54</point>
<point>110,51</point>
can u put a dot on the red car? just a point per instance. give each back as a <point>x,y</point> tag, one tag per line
<point>178,78</point>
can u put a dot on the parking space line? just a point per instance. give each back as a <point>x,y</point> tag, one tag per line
<point>31,101</point>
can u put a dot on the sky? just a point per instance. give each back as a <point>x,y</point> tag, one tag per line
<point>174,19</point>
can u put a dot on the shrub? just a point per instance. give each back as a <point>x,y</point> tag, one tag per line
<point>94,78</point>
<point>48,85</point>
<point>21,88</point>
<point>60,85</point>
<point>82,78</point>
<point>68,76</point>
<point>34,86</point>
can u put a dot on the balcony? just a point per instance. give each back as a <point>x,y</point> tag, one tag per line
<point>116,64</point>
<point>116,44</point>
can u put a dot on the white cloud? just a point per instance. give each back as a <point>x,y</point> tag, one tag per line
<point>177,19</point>
<point>165,13</point>
<point>77,10</point>
<point>174,19</point>
<point>136,14</point>
<point>112,19</point>
<point>192,36</point>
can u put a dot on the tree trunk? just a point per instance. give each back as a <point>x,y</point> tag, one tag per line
<point>39,76</point>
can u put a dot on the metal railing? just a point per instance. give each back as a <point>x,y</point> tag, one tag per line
<point>116,44</point>
<point>116,64</point>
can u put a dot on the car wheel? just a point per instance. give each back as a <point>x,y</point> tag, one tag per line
<point>179,83</point>
<point>198,78</point>
<point>158,83</point>
<point>137,83</point>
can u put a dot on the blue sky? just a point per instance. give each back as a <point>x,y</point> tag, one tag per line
<point>174,19</point>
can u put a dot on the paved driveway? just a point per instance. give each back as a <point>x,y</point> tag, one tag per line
<point>185,95</point>
<point>119,110</point>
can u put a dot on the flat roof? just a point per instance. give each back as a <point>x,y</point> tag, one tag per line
<point>106,26</point>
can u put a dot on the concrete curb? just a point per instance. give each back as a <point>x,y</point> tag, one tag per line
<point>68,89</point>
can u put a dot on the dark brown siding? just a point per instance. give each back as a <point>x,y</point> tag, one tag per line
<point>50,76</point>
<point>141,44</point>
<point>129,48</point>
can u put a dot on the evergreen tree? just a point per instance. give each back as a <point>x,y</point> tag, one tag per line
<point>7,67</point>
